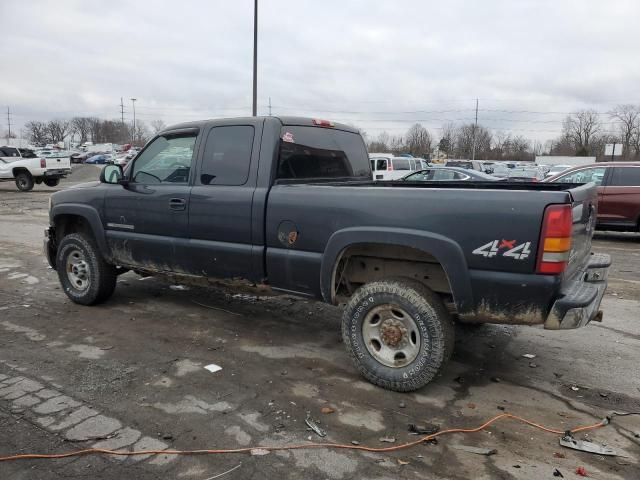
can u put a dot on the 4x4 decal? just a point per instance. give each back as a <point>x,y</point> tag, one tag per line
<point>505,248</point>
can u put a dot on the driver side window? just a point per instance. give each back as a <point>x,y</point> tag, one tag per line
<point>166,160</point>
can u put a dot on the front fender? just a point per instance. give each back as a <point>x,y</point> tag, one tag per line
<point>445,250</point>
<point>92,217</point>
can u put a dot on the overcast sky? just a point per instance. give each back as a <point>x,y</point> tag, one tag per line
<point>367,62</point>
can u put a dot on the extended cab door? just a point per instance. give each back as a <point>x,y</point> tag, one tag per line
<point>620,204</point>
<point>146,222</point>
<point>220,212</point>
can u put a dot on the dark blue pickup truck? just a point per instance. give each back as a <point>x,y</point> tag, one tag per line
<point>290,202</point>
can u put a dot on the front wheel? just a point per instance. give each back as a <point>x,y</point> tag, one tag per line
<point>85,276</point>
<point>24,181</point>
<point>51,182</point>
<point>398,333</point>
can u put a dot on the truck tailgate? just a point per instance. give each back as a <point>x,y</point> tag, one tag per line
<point>58,163</point>
<point>584,203</point>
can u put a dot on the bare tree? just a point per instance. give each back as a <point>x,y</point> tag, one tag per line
<point>628,122</point>
<point>581,128</point>
<point>448,138</point>
<point>157,125</point>
<point>37,132</point>
<point>418,141</point>
<point>465,140</point>
<point>58,130</point>
<point>81,126</point>
<point>380,144</point>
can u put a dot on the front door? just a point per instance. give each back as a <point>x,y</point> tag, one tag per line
<point>620,204</point>
<point>221,205</point>
<point>147,220</point>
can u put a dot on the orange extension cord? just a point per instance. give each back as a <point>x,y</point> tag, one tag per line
<point>426,438</point>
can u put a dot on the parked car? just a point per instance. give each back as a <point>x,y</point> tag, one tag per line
<point>618,192</point>
<point>500,170</point>
<point>444,174</point>
<point>525,174</point>
<point>557,169</point>
<point>476,165</point>
<point>290,201</point>
<point>389,167</point>
<point>80,157</point>
<point>25,168</point>
<point>100,159</point>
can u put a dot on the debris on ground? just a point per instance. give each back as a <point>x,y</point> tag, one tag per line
<point>476,450</point>
<point>557,473</point>
<point>327,410</point>
<point>259,451</point>
<point>585,446</point>
<point>314,426</point>
<point>402,405</point>
<point>403,462</point>
<point>213,368</point>
<point>533,365</point>
<point>559,455</point>
<point>530,356</point>
<point>355,442</point>
<point>179,287</point>
<point>581,471</point>
<point>428,429</point>
<point>387,439</point>
<point>496,379</point>
<point>459,380</point>
<point>574,388</point>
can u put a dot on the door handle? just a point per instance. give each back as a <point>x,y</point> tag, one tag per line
<point>177,204</point>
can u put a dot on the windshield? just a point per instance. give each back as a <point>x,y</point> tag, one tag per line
<point>314,152</point>
<point>467,165</point>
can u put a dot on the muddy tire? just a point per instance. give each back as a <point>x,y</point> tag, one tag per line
<point>51,182</point>
<point>398,333</point>
<point>84,275</point>
<point>24,181</point>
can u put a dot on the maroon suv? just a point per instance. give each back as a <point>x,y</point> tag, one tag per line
<point>618,192</point>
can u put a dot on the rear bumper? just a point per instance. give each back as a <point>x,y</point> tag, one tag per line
<point>58,173</point>
<point>580,300</point>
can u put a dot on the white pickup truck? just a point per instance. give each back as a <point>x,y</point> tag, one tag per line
<point>27,169</point>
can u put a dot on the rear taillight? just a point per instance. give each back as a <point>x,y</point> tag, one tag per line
<point>43,163</point>
<point>555,241</point>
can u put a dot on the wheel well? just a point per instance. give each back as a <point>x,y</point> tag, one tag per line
<point>367,262</point>
<point>18,170</point>
<point>66,224</point>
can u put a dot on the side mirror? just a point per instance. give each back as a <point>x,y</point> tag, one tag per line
<point>111,173</point>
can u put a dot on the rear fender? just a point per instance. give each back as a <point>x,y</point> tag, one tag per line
<point>446,251</point>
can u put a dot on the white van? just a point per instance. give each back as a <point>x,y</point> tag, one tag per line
<point>388,167</point>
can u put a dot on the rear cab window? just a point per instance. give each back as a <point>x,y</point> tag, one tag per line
<point>316,152</point>
<point>227,155</point>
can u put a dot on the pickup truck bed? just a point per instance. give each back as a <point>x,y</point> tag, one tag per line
<point>289,202</point>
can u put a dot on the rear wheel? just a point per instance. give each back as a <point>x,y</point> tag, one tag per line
<point>398,332</point>
<point>51,182</point>
<point>24,181</point>
<point>85,276</point>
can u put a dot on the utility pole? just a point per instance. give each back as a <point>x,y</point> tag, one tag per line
<point>8,126</point>
<point>475,128</point>
<point>133,102</point>
<point>255,58</point>
<point>121,111</point>
<point>269,106</point>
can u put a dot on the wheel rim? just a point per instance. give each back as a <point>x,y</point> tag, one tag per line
<point>22,182</point>
<point>78,271</point>
<point>391,336</point>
